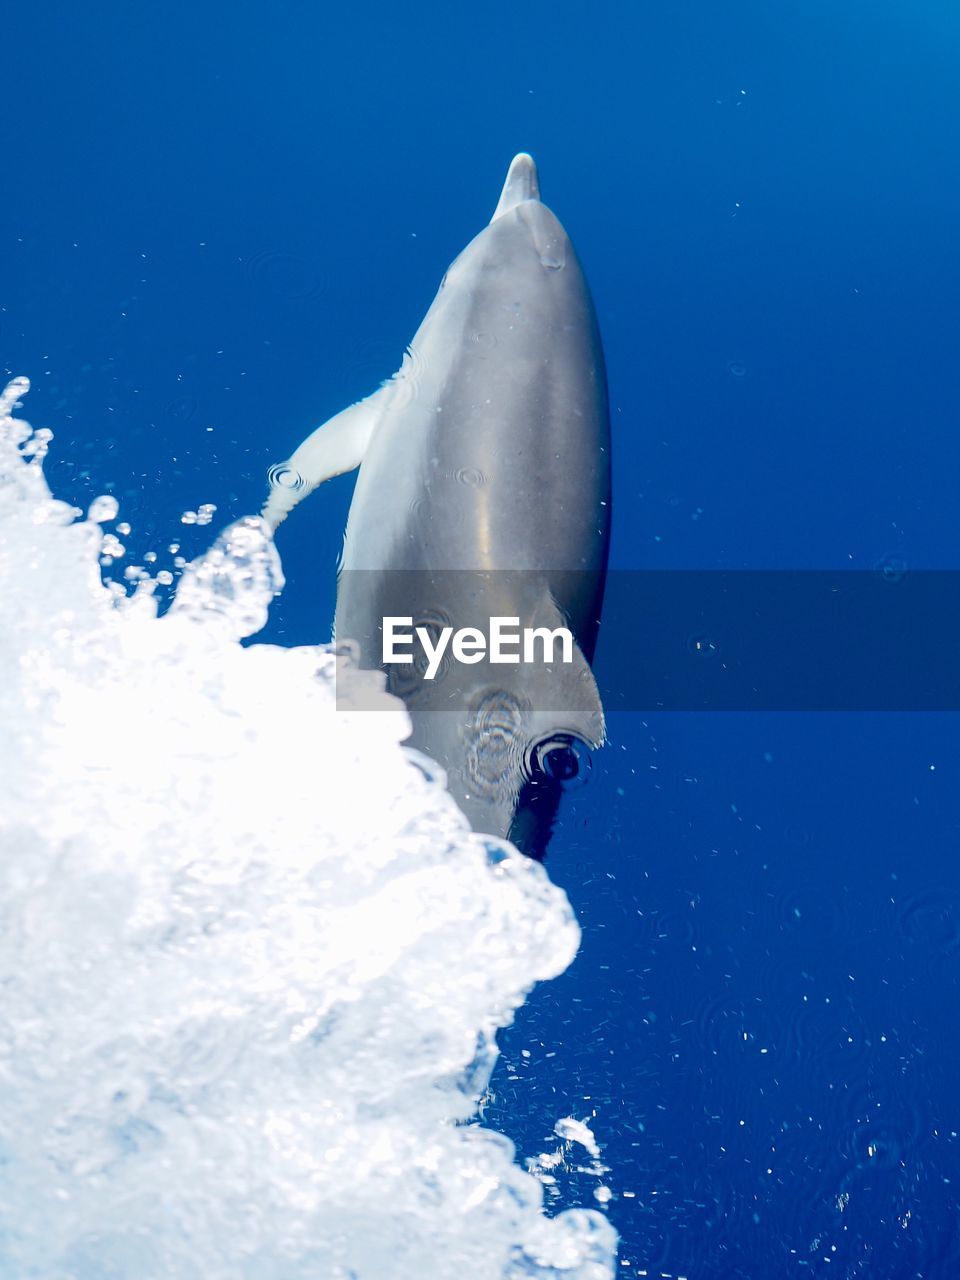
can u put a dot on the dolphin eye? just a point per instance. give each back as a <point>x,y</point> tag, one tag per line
<point>561,759</point>
<point>560,762</point>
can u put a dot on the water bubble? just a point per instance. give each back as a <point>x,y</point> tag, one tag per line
<point>112,546</point>
<point>37,446</point>
<point>103,509</point>
<point>737,368</point>
<point>123,529</point>
<point>892,568</point>
<point>188,517</point>
<point>472,477</point>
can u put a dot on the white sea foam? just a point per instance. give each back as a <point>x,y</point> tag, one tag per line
<point>252,961</point>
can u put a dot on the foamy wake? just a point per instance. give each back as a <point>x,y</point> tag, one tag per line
<point>252,961</point>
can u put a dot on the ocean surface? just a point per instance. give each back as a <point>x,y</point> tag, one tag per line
<point>222,223</point>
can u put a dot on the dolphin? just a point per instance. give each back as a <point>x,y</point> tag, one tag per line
<point>483,489</point>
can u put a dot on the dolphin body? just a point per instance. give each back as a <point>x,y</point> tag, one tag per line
<point>484,488</point>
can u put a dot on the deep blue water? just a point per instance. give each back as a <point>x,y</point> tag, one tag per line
<point>222,223</point>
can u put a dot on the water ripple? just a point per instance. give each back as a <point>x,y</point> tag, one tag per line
<point>285,274</point>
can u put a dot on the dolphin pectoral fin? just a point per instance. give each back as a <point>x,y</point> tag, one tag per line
<point>335,447</point>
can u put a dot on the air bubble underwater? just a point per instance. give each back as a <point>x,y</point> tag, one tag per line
<point>253,960</point>
<point>103,509</point>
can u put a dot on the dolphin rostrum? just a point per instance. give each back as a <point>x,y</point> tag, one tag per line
<point>484,489</point>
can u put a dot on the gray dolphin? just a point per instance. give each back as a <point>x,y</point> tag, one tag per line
<point>484,489</point>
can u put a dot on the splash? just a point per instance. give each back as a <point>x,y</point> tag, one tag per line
<point>572,1133</point>
<point>252,959</point>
